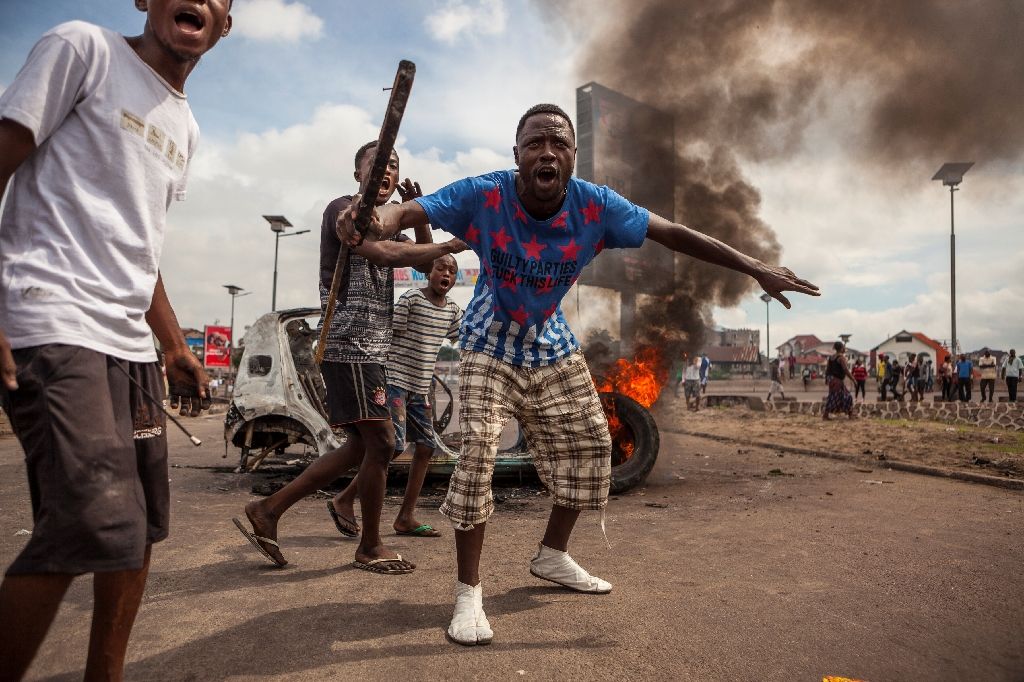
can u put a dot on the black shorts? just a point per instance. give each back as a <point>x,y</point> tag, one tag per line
<point>96,454</point>
<point>356,392</point>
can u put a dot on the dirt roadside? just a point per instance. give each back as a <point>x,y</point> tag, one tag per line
<point>993,451</point>
<point>722,571</point>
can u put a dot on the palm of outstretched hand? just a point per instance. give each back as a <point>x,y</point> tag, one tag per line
<point>775,279</point>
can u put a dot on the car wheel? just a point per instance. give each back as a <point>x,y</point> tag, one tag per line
<point>635,440</point>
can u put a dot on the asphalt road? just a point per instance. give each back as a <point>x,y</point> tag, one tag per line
<point>722,571</point>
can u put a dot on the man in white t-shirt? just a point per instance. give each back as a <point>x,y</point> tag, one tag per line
<point>98,135</point>
<point>691,383</point>
<point>987,367</point>
<point>1012,367</point>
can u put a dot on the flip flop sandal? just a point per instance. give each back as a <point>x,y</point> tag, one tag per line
<point>424,531</point>
<point>256,540</point>
<point>377,566</point>
<point>338,519</point>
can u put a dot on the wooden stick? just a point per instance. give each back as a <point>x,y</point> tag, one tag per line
<point>370,189</point>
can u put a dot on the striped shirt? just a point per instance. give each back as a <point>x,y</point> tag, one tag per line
<point>419,327</point>
<point>361,327</point>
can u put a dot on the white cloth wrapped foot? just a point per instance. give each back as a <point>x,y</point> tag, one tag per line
<point>469,624</point>
<point>559,567</point>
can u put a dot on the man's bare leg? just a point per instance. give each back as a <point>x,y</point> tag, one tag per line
<point>560,524</point>
<point>345,501</point>
<point>264,514</point>
<point>406,519</point>
<point>553,561</point>
<point>469,545</point>
<point>28,604</point>
<point>116,597</point>
<point>379,445</point>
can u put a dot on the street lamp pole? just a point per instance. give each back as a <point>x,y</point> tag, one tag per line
<point>952,271</point>
<point>235,292</point>
<point>273,295</point>
<point>278,224</point>
<point>951,175</point>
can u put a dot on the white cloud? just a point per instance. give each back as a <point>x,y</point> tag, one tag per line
<point>840,233</point>
<point>458,18</point>
<point>218,235</point>
<point>987,313</point>
<point>276,20</point>
<point>878,246</point>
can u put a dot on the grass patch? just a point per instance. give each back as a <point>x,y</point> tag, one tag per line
<point>1013,444</point>
<point>904,423</point>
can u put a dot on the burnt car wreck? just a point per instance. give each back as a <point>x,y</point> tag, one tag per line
<point>279,401</point>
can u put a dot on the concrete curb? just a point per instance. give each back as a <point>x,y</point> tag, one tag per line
<point>909,467</point>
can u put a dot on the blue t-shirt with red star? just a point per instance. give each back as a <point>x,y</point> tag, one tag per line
<point>528,265</point>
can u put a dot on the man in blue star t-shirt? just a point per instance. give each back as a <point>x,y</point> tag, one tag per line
<point>529,263</point>
<point>534,229</point>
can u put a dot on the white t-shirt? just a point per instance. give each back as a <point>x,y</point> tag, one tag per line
<point>987,367</point>
<point>83,226</point>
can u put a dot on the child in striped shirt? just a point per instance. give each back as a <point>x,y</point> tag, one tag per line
<point>423,319</point>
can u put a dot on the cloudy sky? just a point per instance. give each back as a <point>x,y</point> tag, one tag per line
<point>286,99</point>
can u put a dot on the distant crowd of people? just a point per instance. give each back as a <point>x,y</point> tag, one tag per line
<point>917,376</point>
<point>910,379</point>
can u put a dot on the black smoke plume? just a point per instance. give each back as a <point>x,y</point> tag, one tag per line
<point>909,84</point>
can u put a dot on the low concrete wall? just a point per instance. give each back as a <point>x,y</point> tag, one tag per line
<point>1000,415</point>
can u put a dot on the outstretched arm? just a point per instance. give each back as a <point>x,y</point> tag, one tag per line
<point>773,279</point>
<point>16,145</point>
<point>401,254</point>
<point>388,220</point>
<point>186,378</point>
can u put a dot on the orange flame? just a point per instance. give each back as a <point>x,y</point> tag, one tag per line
<point>642,380</point>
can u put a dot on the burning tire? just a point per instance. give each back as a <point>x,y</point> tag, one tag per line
<point>635,440</point>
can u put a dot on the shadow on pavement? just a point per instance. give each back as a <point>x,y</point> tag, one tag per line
<point>300,639</point>
<point>234,573</point>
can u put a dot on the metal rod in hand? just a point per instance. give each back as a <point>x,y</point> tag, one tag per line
<point>160,405</point>
<point>370,188</point>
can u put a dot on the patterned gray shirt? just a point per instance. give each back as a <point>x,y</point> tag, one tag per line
<point>361,328</point>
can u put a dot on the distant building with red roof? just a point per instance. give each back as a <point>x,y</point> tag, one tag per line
<point>904,344</point>
<point>798,345</point>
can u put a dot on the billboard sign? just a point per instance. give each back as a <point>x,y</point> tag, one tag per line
<point>408,277</point>
<point>217,350</point>
<point>196,345</point>
<point>629,146</point>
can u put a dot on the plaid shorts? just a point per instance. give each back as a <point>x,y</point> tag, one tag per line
<point>561,416</point>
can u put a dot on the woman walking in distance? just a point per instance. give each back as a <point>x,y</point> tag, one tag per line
<point>839,399</point>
